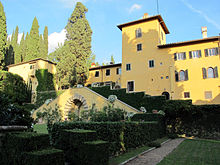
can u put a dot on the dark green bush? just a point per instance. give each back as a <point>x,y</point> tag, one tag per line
<point>14,87</point>
<point>154,144</point>
<point>121,135</point>
<point>94,153</point>
<point>15,144</point>
<point>13,114</point>
<point>172,136</point>
<point>45,157</point>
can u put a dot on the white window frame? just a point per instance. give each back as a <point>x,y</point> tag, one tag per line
<point>129,67</point>
<point>149,62</point>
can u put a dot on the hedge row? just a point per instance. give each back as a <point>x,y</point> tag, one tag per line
<point>135,99</point>
<point>121,135</point>
<point>193,120</point>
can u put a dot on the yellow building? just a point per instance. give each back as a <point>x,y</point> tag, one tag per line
<point>108,75</point>
<point>27,70</point>
<point>183,70</point>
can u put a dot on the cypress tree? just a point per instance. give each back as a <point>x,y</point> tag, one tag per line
<point>41,48</point>
<point>3,36</point>
<point>14,42</point>
<point>112,59</point>
<point>45,42</point>
<point>33,42</point>
<point>79,36</point>
<point>22,48</point>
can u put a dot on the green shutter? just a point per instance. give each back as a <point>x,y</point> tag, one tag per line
<point>176,76</point>
<point>206,53</point>
<point>184,55</point>
<point>216,72</point>
<point>200,54</point>
<point>186,75</point>
<point>204,73</point>
<point>216,50</point>
<point>190,54</point>
<point>175,57</point>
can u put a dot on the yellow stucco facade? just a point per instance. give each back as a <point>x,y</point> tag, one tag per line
<point>86,97</point>
<point>27,70</point>
<point>183,70</point>
<point>105,75</point>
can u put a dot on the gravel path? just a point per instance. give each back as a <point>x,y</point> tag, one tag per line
<point>155,156</point>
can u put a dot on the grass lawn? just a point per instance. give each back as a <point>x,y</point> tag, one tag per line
<point>194,152</point>
<point>40,128</point>
<point>121,158</point>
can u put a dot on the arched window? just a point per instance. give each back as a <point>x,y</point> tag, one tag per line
<point>181,75</point>
<point>210,72</point>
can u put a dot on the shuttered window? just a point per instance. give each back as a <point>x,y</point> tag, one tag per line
<point>138,33</point>
<point>210,72</point>
<point>204,74</point>
<point>180,56</point>
<point>211,52</point>
<point>195,54</point>
<point>182,75</point>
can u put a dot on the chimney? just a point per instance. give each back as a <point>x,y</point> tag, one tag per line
<point>204,32</point>
<point>145,15</point>
<point>93,65</point>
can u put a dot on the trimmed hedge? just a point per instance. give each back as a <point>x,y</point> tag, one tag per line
<point>45,157</point>
<point>121,135</point>
<point>94,153</point>
<point>193,120</point>
<point>135,99</point>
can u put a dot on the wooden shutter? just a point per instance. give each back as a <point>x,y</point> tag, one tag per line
<point>136,33</point>
<point>216,51</point>
<point>200,54</point>
<point>216,72</point>
<point>190,54</point>
<point>186,75</point>
<point>204,73</point>
<point>206,53</point>
<point>176,76</point>
<point>175,57</point>
<point>184,55</point>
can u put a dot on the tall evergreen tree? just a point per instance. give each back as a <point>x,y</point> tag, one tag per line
<point>15,45</point>
<point>45,39</point>
<point>33,42</point>
<point>3,36</point>
<point>22,48</point>
<point>79,36</point>
<point>41,48</point>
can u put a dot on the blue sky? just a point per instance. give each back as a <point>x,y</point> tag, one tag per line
<point>184,19</point>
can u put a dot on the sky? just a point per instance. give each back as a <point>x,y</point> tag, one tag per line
<point>184,19</point>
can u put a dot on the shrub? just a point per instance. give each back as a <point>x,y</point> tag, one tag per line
<point>14,87</point>
<point>172,136</point>
<point>13,114</point>
<point>46,157</point>
<point>154,144</point>
<point>121,135</point>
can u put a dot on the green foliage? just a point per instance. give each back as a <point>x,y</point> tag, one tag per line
<point>45,36</point>
<point>46,156</point>
<point>15,87</point>
<point>193,120</point>
<point>154,144</point>
<point>3,36</point>
<point>119,134</point>
<point>12,114</point>
<point>33,42</point>
<point>45,80</point>
<point>147,117</point>
<point>135,99</point>
<point>112,59</point>
<point>50,116</point>
<point>79,36</point>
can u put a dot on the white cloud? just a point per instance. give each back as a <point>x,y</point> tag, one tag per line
<point>134,7</point>
<point>54,39</point>
<point>208,19</point>
<point>71,3</point>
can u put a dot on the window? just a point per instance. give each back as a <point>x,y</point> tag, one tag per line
<point>139,47</point>
<point>138,33</point>
<point>208,94</point>
<point>167,77</point>
<point>107,73</point>
<point>128,67</point>
<point>180,56</point>
<point>130,86</point>
<point>211,52</point>
<point>31,66</point>
<point>195,54</point>
<point>118,71</point>
<point>151,63</point>
<point>97,74</point>
<point>161,77</point>
<point>186,95</point>
<point>210,72</point>
<point>182,75</point>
